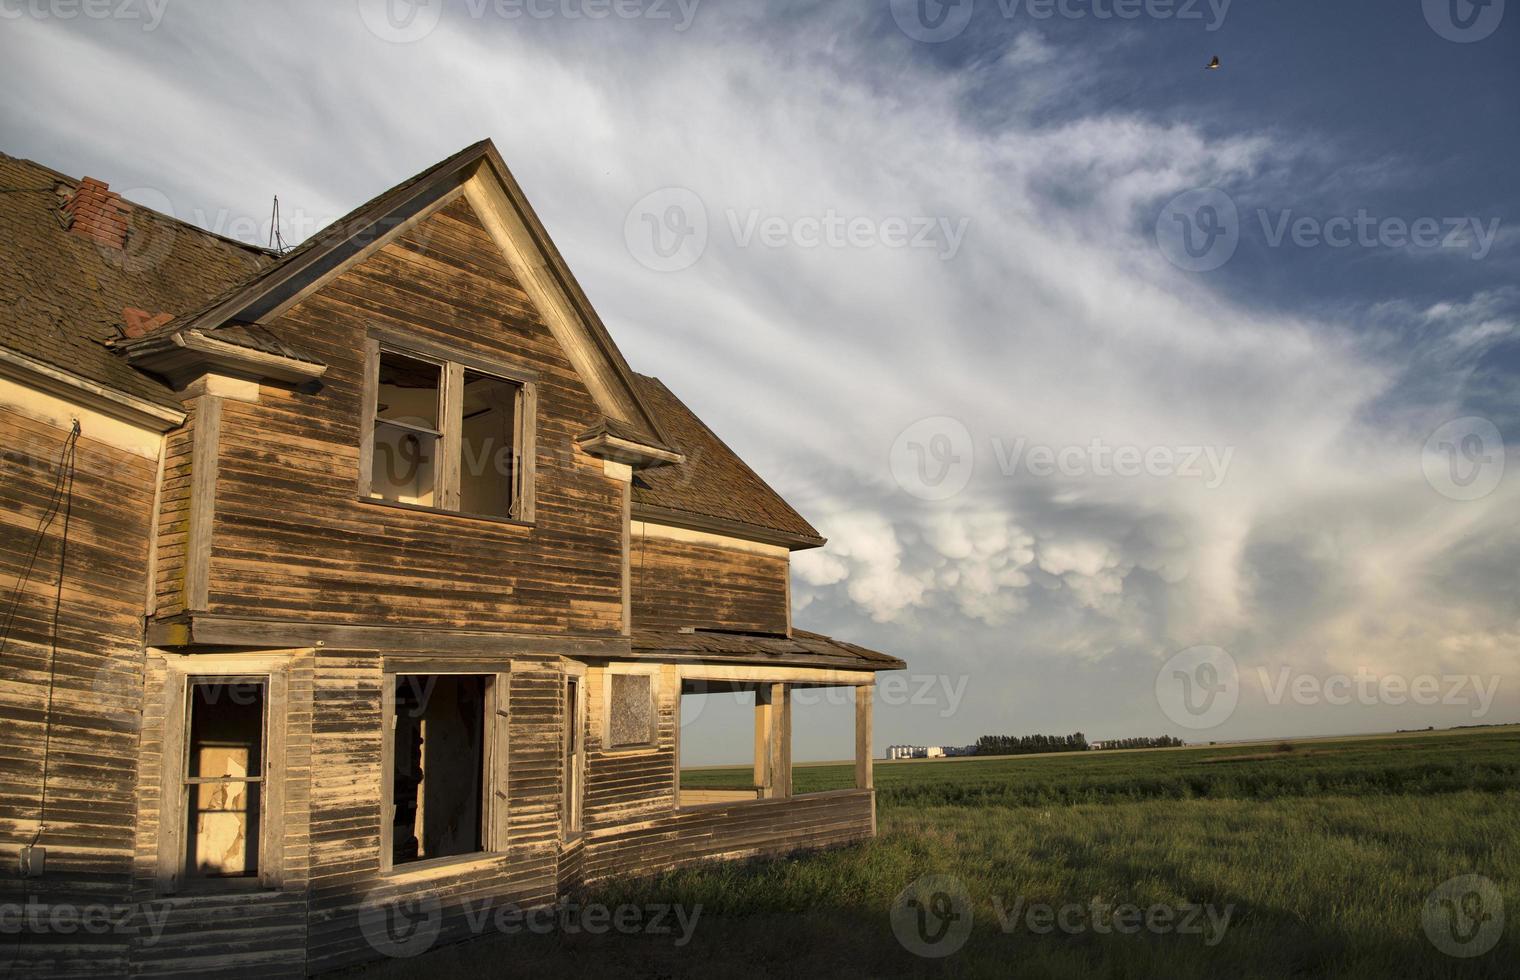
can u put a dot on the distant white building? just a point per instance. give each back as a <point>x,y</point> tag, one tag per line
<point>928,751</point>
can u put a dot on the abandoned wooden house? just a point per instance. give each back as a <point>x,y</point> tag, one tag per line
<point>364,571</point>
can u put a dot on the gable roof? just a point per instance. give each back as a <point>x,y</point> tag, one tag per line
<point>478,172</point>
<point>66,296</point>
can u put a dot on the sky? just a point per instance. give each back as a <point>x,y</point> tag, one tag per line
<point>1134,397</point>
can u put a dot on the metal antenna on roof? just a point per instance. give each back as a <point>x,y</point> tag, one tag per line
<point>276,240</point>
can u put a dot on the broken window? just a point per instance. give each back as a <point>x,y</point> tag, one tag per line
<point>224,775</point>
<point>631,716</point>
<point>445,735</point>
<point>445,436</point>
<point>488,449</point>
<point>408,431</point>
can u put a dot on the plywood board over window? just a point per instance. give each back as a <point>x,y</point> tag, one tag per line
<point>630,708</point>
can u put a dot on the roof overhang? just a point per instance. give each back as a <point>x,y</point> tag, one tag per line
<point>70,387</point>
<point>181,356</point>
<point>612,441</point>
<point>727,528</point>
<point>800,649</point>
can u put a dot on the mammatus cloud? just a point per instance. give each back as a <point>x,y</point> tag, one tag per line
<point>1279,506</point>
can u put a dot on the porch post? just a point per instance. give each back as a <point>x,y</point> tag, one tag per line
<point>763,724</point>
<point>864,776</point>
<point>863,773</point>
<point>781,740</point>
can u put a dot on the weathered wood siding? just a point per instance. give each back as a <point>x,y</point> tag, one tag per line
<point>628,784</point>
<point>255,933</point>
<point>291,539</point>
<point>754,828</point>
<point>94,685</point>
<point>173,537</point>
<point>346,808</point>
<point>684,583</point>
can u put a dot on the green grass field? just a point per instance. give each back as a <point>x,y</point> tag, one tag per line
<point>1322,858</point>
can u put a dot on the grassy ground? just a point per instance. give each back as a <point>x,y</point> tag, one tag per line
<point>1322,859</point>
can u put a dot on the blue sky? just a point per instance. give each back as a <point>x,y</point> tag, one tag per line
<point>1006,276</point>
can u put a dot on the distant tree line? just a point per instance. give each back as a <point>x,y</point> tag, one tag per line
<point>1163,742</point>
<point>1026,744</point>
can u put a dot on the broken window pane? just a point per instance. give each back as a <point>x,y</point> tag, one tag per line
<point>407,435</point>
<point>487,469</point>
<point>437,775</point>
<point>224,770</point>
<point>631,714</point>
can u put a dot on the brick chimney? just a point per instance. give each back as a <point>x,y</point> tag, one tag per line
<point>98,213</point>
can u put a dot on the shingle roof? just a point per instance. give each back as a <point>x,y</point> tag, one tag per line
<point>713,482</point>
<point>801,649</point>
<point>63,295</point>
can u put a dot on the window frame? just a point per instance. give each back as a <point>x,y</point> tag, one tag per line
<point>573,805</point>
<point>655,682</point>
<point>495,830</point>
<point>452,366</point>
<point>174,787</point>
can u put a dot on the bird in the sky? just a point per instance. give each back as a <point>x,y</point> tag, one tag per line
<point>1213,64</point>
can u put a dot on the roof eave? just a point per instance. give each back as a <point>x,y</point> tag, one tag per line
<point>70,387</point>
<point>183,355</point>
<point>733,529</point>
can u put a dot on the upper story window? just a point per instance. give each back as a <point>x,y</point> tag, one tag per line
<point>443,434</point>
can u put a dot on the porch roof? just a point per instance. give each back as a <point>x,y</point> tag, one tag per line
<point>801,649</point>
